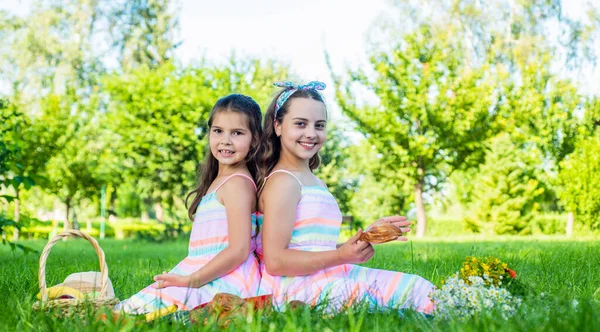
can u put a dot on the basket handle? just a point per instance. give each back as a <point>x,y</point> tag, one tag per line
<point>52,242</point>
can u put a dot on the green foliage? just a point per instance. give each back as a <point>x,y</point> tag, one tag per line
<point>73,169</point>
<point>505,193</point>
<point>9,224</point>
<point>97,98</point>
<point>591,121</point>
<point>335,167</point>
<point>128,202</point>
<point>540,109</point>
<point>509,31</point>
<point>13,163</point>
<point>6,151</point>
<point>426,96</point>
<point>433,113</point>
<point>143,32</point>
<point>7,147</point>
<point>124,228</point>
<point>580,180</point>
<point>157,119</point>
<point>379,191</point>
<point>549,223</point>
<point>52,49</point>
<point>25,145</point>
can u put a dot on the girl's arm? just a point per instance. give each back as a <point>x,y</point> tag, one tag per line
<point>239,198</point>
<point>279,211</point>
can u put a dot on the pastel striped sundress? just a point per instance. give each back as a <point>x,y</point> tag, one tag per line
<point>209,237</point>
<point>317,227</point>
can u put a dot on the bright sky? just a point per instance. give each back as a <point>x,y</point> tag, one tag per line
<point>295,32</point>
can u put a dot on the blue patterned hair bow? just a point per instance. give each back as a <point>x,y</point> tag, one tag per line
<point>290,88</point>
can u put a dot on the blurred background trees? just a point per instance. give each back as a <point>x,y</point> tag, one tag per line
<point>466,116</point>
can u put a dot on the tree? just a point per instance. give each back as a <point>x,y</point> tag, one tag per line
<point>510,40</point>
<point>23,154</point>
<point>143,32</point>
<point>580,179</point>
<point>433,114</point>
<point>158,117</point>
<point>378,190</point>
<point>54,58</point>
<point>504,31</point>
<point>506,190</point>
<point>52,49</point>
<point>72,169</point>
<point>11,171</point>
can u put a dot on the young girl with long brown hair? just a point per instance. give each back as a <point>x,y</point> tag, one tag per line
<point>221,248</point>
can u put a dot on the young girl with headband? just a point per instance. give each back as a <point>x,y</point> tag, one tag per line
<point>299,220</point>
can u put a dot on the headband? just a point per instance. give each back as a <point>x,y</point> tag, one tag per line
<point>290,88</point>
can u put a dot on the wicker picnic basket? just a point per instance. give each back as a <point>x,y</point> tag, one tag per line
<point>73,305</point>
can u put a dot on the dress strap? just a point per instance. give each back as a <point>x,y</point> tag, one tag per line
<point>285,171</point>
<point>237,174</point>
<point>322,183</point>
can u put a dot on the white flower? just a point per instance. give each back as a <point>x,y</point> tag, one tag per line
<point>457,298</point>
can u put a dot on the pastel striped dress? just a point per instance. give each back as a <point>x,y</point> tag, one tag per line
<point>317,228</point>
<point>209,237</point>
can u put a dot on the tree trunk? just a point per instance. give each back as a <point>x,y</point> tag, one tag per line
<point>145,206</point>
<point>66,223</point>
<point>421,217</point>
<point>160,213</point>
<point>570,222</point>
<point>144,215</point>
<point>17,214</point>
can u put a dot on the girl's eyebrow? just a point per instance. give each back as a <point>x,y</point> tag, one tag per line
<point>234,129</point>
<point>303,119</point>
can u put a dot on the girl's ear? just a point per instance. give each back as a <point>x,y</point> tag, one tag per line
<point>277,126</point>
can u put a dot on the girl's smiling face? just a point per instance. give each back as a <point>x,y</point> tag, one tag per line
<point>303,130</point>
<point>230,138</point>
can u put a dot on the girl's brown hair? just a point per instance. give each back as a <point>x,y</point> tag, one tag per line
<point>271,143</point>
<point>207,172</point>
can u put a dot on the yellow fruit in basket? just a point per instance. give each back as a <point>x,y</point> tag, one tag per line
<point>381,233</point>
<point>62,292</point>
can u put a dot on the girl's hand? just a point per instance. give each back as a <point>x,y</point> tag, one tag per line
<point>399,221</point>
<point>168,280</point>
<point>355,251</point>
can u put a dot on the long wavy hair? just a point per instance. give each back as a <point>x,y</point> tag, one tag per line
<point>208,170</point>
<point>271,144</point>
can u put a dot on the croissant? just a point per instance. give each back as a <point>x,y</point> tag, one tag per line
<point>381,233</point>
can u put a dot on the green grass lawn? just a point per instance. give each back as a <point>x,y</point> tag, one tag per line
<point>564,277</point>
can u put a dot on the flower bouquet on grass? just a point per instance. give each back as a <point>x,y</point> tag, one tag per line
<point>481,285</point>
